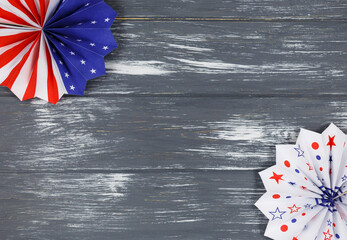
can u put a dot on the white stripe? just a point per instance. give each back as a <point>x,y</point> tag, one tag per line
<point>28,8</point>
<point>20,85</point>
<point>5,70</point>
<point>8,47</point>
<point>7,32</point>
<point>42,73</point>
<point>38,5</point>
<point>53,4</point>
<point>15,27</point>
<point>61,87</point>
<point>8,7</point>
<point>13,31</point>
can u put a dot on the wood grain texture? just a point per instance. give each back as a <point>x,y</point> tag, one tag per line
<point>141,133</point>
<point>168,145</point>
<point>145,205</point>
<point>236,9</point>
<point>224,58</point>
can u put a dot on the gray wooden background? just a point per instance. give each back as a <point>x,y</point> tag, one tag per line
<point>168,145</point>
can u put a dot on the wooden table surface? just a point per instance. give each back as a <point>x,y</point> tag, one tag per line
<point>168,145</point>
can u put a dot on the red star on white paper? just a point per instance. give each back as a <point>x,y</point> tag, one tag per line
<point>294,209</point>
<point>331,142</point>
<point>327,235</point>
<point>310,168</point>
<point>277,177</point>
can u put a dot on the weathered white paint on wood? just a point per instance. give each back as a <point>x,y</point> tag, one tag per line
<point>109,133</point>
<point>235,9</point>
<point>144,205</point>
<point>224,58</point>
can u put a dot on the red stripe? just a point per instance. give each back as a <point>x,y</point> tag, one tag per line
<point>12,18</point>
<point>31,88</point>
<point>42,10</point>
<point>9,81</point>
<point>10,54</point>
<point>19,6</point>
<point>32,6</point>
<point>10,39</point>
<point>52,86</point>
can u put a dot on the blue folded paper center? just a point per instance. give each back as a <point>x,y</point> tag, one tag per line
<point>330,197</point>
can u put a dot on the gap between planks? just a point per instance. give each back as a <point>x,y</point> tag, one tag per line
<point>201,95</point>
<point>134,171</point>
<point>256,19</point>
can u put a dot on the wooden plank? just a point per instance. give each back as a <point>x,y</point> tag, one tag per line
<point>244,9</point>
<point>225,58</point>
<point>153,205</point>
<point>144,133</point>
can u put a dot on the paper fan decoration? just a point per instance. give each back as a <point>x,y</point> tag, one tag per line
<point>49,48</point>
<point>306,196</point>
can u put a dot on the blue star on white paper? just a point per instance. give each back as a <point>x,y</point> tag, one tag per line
<point>300,152</point>
<point>329,222</point>
<point>307,205</point>
<point>277,214</point>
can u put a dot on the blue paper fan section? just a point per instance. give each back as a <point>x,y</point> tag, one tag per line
<point>79,37</point>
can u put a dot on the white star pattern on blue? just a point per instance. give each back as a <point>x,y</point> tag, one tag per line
<point>80,41</point>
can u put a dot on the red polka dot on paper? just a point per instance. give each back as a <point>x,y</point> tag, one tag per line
<point>334,224</point>
<point>284,228</point>
<point>315,145</point>
<point>320,169</point>
<point>276,196</point>
<point>287,163</point>
<point>306,178</point>
<point>304,214</point>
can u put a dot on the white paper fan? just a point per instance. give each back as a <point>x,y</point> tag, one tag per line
<point>306,196</point>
